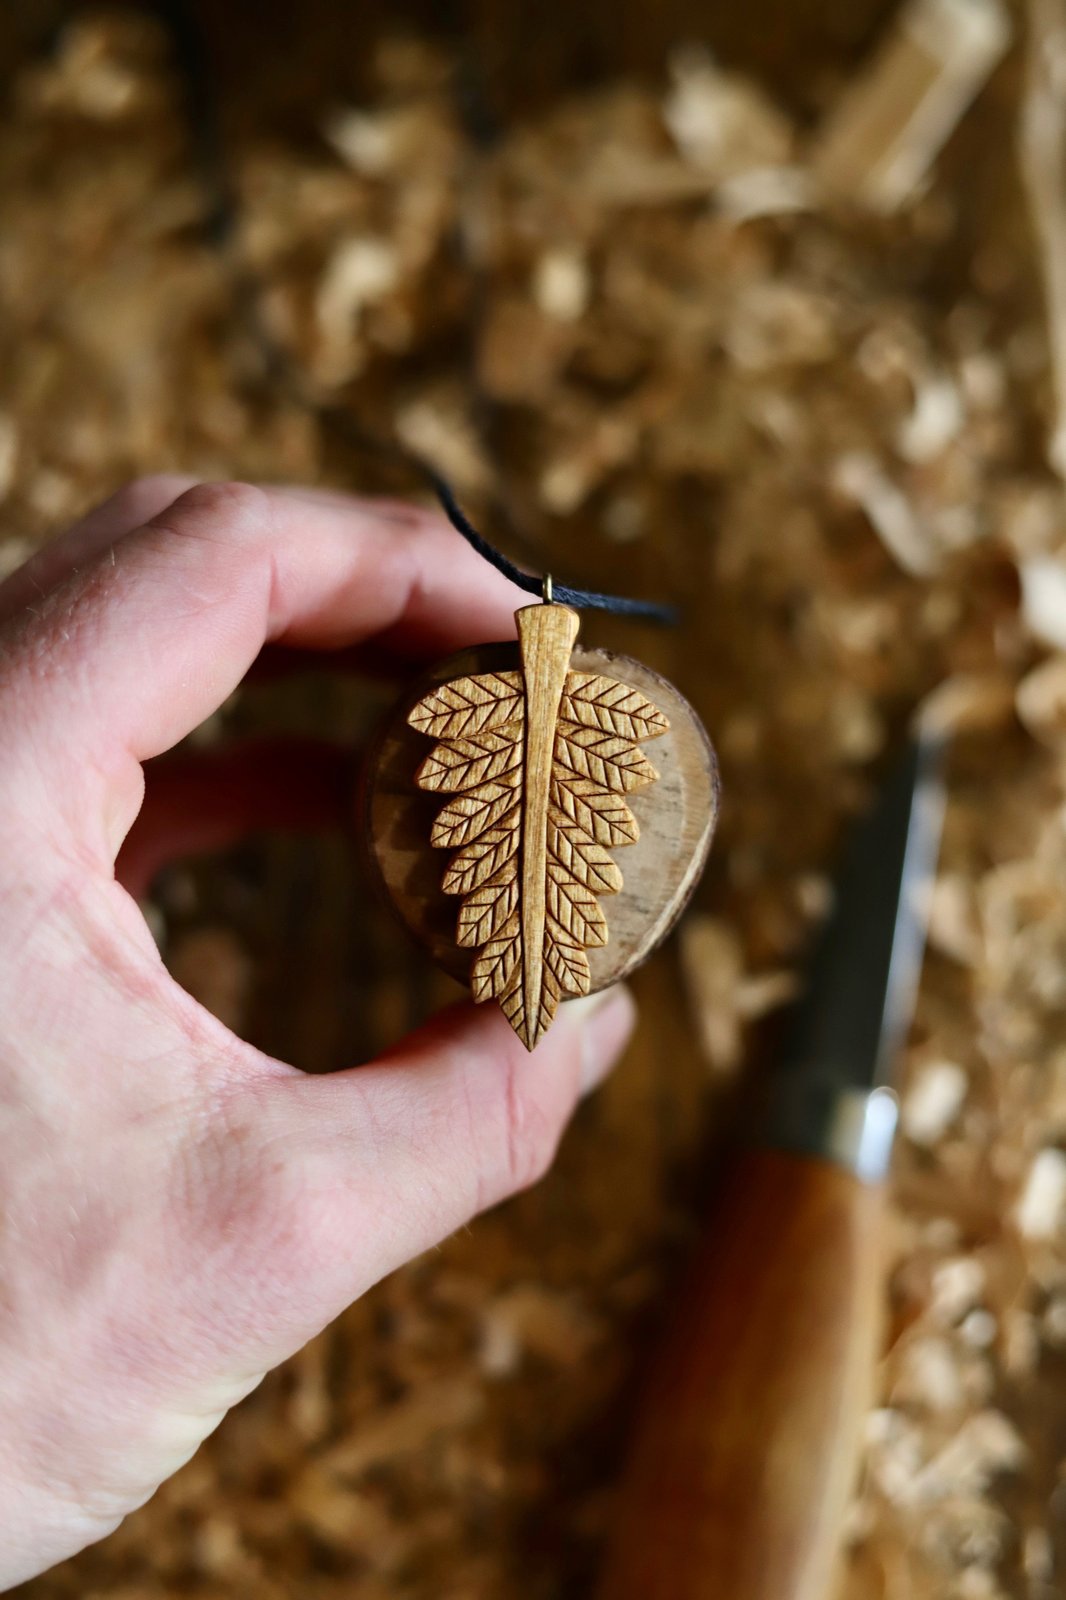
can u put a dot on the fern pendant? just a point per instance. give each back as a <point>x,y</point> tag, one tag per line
<point>534,766</point>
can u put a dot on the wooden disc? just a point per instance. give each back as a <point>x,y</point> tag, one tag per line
<point>676,816</point>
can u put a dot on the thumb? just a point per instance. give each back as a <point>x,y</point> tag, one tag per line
<point>384,1161</point>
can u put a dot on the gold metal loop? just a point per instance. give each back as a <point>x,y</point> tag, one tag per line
<point>546,589</point>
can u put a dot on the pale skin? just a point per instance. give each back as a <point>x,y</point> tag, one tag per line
<point>178,1211</point>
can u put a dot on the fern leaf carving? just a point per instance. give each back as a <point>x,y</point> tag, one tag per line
<point>573,909</point>
<point>487,908</point>
<point>534,767</point>
<point>468,815</point>
<point>580,855</point>
<point>496,962</point>
<point>610,762</point>
<point>458,764</point>
<point>569,967</point>
<point>484,856</point>
<point>470,705</point>
<point>613,707</point>
<point>595,812</point>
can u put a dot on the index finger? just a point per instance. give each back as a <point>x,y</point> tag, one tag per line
<point>138,647</point>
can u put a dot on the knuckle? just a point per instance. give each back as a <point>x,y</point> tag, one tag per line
<point>231,509</point>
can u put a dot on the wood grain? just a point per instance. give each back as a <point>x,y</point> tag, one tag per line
<point>546,635</point>
<point>745,1453</point>
<point>535,772</point>
<point>607,702</point>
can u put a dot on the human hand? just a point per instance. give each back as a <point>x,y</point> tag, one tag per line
<point>178,1211</point>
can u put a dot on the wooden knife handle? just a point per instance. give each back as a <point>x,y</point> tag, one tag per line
<point>746,1450</point>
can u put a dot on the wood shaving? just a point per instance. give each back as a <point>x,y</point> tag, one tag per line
<point>636,317</point>
<point>1041,1206</point>
<point>1044,599</point>
<point>896,116</point>
<point>1043,152</point>
<point>933,1101</point>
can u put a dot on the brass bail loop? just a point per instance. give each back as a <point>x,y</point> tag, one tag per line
<point>546,589</point>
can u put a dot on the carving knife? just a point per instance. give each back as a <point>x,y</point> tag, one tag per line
<point>746,1448</point>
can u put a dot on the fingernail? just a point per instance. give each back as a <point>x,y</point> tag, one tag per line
<point>606,1022</point>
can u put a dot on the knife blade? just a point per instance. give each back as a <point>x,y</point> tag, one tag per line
<point>830,1094</point>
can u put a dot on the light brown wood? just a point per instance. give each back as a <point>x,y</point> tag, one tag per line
<point>883,135</point>
<point>546,635</point>
<point>601,795</point>
<point>745,1452</point>
<point>535,770</point>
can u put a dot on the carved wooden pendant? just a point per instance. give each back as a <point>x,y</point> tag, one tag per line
<point>535,765</point>
<point>479,697</point>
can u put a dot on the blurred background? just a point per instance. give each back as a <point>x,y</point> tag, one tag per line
<point>759,308</point>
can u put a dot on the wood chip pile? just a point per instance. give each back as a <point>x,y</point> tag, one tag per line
<point>804,380</point>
